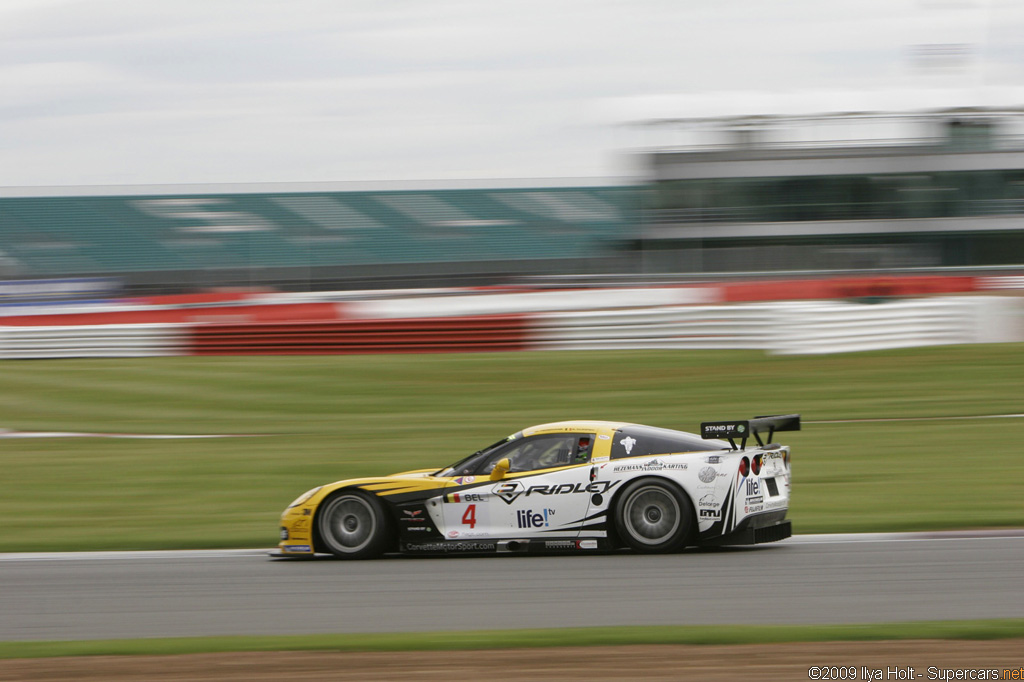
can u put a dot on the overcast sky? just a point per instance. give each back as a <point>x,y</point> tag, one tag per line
<point>100,92</point>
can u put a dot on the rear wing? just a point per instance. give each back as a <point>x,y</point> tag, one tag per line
<point>744,428</point>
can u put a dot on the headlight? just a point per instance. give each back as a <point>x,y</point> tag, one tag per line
<point>305,496</point>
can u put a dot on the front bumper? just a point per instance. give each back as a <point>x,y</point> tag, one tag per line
<point>296,532</point>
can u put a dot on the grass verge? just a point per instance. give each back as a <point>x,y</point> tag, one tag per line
<point>522,639</point>
<point>318,419</point>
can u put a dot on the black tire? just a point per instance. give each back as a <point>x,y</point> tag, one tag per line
<point>352,524</point>
<point>653,516</point>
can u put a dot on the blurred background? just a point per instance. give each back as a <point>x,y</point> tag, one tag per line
<point>724,204</point>
<point>151,150</point>
<point>254,179</point>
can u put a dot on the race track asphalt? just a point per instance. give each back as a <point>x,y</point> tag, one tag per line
<point>808,579</point>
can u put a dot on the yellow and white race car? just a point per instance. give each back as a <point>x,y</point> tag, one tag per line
<point>567,486</point>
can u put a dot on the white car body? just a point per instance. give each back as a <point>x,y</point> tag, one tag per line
<point>565,486</point>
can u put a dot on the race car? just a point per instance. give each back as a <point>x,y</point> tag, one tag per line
<point>563,487</point>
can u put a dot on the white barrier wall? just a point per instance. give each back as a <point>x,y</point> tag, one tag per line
<point>791,327</point>
<point>784,327</point>
<point>497,303</point>
<point>93,341</point>
<point>697,327</point>
<point>845,327</point>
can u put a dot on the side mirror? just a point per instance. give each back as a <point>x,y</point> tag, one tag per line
<point>501,467</point>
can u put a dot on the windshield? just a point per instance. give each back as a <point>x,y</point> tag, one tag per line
<point>468,463</point>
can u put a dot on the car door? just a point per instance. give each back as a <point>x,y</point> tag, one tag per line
<point>543,494</point>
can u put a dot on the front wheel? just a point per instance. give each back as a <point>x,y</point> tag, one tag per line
<point>653,516</point>
<point>353,525</point>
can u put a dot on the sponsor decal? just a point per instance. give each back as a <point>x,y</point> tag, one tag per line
<point>707,474</point>
<point>450,547</point>
<point>751,508</point>
<point>758,499</point>
<point>595,488</point>
<point>710,513</point>
<point>725,428</point>
<point>418,528</point>
<point>775,504</point>
<point>652,465</point>
<point>709,502</point>
<point>453,533</point>
<point>604,437</point>
<point>511,490</point>
<point>753,487</point>
<point>412,515</point>
<point>713,459</point>
<point>628,442</point>
<point>464,480</point>
<point>527,518</point>
<point>464,497</point>
<point>570,544</point>
<point>298,548</point>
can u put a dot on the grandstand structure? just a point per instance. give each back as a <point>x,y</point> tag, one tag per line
<point>851,191</point>
<point>937,189</point>
<point>298,239</point>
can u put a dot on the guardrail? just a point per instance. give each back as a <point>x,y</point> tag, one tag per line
<point>434,335</point>
<point>697,327</point>
<point>784,327</point>
<point>790,327</point>
<point>821,328</point>
<point>254,307</point>
<point>96,341</point>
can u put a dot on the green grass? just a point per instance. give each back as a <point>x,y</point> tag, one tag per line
<point>518,639</point>
<point>319,419</point>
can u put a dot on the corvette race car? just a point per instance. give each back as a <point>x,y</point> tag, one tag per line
<point>566,486</point>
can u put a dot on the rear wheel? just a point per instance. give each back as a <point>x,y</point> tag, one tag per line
<point>653,516</point>
<point>353,525</point>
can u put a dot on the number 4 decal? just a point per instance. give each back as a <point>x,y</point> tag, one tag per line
<point>469,518</point>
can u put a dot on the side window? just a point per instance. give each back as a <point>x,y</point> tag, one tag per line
<point>584,448</point>
<point>643,441</point>
<point>543,452</point>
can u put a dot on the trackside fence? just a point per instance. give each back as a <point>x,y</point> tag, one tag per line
<point>790,327</point>
<point>432,335</point>
<point>696,327</point>
<point>94,341</point>
<point>845,328</point>
<point>781,327</point>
